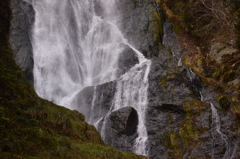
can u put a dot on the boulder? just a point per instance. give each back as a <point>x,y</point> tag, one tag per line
<point>218,50</point>
<point>127,59</point>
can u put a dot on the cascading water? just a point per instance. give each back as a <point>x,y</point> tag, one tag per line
<point>216,126</point>
<point>77,43</point>
<point>132,90</point>
<point>73,48</point>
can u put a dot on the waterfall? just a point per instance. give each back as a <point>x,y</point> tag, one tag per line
<point>216,123</point>
<point>73,48</point>
<point>216,126</point>
<point>76,44</point>
<point>132,90</point>
<point>216,131</point>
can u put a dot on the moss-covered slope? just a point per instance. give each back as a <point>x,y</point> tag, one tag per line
<point>31,127</point>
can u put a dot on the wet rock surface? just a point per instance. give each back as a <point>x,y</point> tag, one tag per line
<point>136,17</point>
<point>95,101</point>
<point>20,36</point>
<point>123,125</point>
<point>127,59</point>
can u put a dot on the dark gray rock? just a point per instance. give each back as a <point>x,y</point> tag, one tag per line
<point>127,59</point>
<point>84,101</point>
<point>95,101</point>
<point>170,40</point>
<point>137,19</point>
<point>20,36</point>
<point>122,126</point>
<point>124,121</point>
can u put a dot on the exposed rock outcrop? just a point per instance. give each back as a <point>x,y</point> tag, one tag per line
<point>123,124</point>
<point>218,50</point>
<point>95,101</point>
<point>127,59</point>
<point>139,25</point>
<point>20,36</point>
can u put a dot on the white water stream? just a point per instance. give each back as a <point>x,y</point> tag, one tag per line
<point>216,126</point>
<point>216,130</point>
<point>75,46</point>
<point>132,90</point>
<point>216,123</point>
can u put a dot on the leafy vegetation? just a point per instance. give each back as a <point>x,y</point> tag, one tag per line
<point>31,127</point>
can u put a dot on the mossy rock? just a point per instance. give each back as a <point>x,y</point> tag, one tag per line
<point>156,26</point>
<point>186,137</point>
<point>172,141</point>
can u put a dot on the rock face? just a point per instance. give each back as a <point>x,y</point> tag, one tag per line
<point>181,121</point>
<point>123,125</point>
<point>183,118</point>
<point>20,36</point>
<point>136,17</point>
<point>95,101</point>
<point>218,50</point>
<point>127,60</point>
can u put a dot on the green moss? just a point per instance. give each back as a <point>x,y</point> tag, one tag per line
<point>98,151</point>
<point>156,26</point>
<point>170,118</point>
<point>187,61</point>
<point>163,83</point>
<point>172,141</point>
<point>187,136</point>
<point>188,132</point>
<point>168,77</point>
<point>199,61</point>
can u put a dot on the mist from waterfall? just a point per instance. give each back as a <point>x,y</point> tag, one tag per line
<point>76,44</point>
<point>73,48</point>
